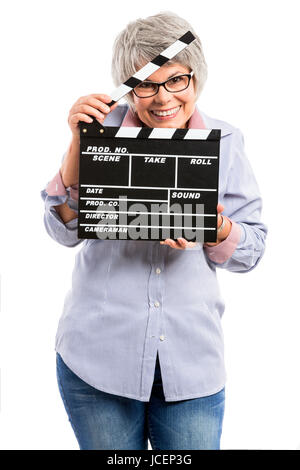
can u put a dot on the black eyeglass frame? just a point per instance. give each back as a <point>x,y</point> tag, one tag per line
<point>189,75</point>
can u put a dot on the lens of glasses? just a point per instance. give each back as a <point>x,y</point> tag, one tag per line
<point>177,83</point>
<point>173,85</point>
<point>145,89</point>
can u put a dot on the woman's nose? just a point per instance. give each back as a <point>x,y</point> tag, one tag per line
<point>163,96</point>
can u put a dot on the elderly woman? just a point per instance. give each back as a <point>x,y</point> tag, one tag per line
<point>139,344</point>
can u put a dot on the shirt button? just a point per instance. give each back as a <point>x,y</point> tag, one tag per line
<point>158,271</point>
<point>156,304</point>
<point>161,337</point>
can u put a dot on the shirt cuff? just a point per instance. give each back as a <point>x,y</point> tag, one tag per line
<point>72,224</point>
<point>222,252</point>
<point>55,187</point>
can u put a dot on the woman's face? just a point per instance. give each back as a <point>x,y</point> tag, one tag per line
<point>183,103</point>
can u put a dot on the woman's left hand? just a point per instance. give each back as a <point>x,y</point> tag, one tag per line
<point>182,243</point>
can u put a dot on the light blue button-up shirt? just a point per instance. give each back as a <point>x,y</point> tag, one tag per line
<point>133,299</point>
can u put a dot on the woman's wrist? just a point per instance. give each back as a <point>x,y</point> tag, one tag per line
<point>224,231</point>
<point>70,167</point>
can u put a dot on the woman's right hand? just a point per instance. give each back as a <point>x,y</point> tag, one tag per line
<point>94,105</point>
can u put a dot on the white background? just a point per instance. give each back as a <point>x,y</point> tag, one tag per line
<point>54,52</point>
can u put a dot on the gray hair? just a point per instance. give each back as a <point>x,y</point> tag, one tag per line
<point>144,39</point>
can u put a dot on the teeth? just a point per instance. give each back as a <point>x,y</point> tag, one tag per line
<point>167,113</point>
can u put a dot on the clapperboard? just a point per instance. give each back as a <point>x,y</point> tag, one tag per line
<point>140,183</point>
<point>148,184</point>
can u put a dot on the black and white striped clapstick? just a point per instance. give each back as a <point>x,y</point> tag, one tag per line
<point>151,67</point>
<point>92,130</point>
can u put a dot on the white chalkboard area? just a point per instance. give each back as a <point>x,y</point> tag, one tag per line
<point>140,183</point>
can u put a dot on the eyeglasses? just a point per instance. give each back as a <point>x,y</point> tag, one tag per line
<point>173,85</point>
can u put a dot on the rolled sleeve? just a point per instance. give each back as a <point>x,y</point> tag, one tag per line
<point>53,195</point>
<point>222,252</point>
<point>244,247</point>
<point>55,187</point>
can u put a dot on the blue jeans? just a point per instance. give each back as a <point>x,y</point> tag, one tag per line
<point>101,420</point>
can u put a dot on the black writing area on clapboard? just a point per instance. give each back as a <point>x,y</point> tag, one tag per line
<point>148,184</point>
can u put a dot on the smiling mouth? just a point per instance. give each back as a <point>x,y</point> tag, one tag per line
<point>167,113</point>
